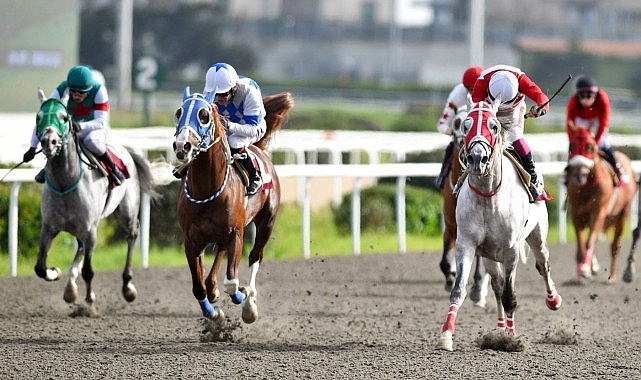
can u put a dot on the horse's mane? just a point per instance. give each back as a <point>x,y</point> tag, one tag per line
<point>277,107</point>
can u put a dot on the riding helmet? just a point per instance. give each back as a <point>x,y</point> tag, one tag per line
<point>220,78</point>
<point>470,75</point>
<point>503,85</point>
<point>80,78</point>
<point>586,84</point>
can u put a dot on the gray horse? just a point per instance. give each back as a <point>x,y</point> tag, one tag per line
<point>75,199</point>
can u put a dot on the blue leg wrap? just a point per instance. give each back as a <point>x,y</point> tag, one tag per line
<point>238,298</point>
<point>207,308</point>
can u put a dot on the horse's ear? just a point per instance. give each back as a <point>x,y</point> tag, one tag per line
<point>41,95</point>
<point>186,93</point>
<point>65,97</point>
<point>495,104</point>
<point>210,97</point>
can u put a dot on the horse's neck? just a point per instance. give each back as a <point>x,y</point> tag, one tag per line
<point>207,171</point>
<point>63,170</point>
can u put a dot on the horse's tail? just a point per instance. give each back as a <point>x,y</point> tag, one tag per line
<point>145,177</point>
<point>277,107</point>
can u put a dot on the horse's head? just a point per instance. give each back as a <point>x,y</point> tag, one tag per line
<point>482,136</point>
<point>583,151</point>
<point>53,124</point>
<point>457,125</point>
<point>196,123</point>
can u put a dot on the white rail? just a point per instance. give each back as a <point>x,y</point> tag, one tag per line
<point>304,173</point>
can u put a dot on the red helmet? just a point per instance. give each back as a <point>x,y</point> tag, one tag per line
<point>470,75</point>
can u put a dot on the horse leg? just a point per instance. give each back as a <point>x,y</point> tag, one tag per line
<point>615,247</point>
<point>196,267</point>
<point>630,269</point>
<point>46,237</point>
<point>479,289</point>
<point>129,291</point>
<point>447,263</point>
<point>582,269</point>
<point>234,253</point>
<point>508,298</point>
<point>71,288</point>
<point>87,269</point>
<point>211,282</point>
<point>464,259</point>
<point>553,299</point>
<point>495,273</point>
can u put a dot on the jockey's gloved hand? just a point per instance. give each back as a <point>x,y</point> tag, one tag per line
<point>535,111</point>
<point>76,126</point>
<point>225,122</point>
<point>29,155</point>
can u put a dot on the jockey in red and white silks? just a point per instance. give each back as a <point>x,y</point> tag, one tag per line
<point>511,86</point>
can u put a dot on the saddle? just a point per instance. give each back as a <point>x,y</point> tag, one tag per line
<point>261,169</point>
<point>102,167</point>
<point>524,176</point>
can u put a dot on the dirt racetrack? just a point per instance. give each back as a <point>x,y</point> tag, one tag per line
<point>364,317</point>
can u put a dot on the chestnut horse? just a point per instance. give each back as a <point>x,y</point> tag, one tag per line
<point>213,208</point>
<point>596,202</point>
<point>448,266</point>
<point>495,220</point>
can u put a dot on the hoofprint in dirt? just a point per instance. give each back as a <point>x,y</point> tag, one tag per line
<point>367,316</point>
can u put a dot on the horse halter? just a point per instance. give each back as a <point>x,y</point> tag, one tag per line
<point>53,118</point>
<point>195,117</point>
<point>482,127</point>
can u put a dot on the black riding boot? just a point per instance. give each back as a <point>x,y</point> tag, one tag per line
<point>623,177</point>
<point>446,166</point>
<point>255,182</point>
<point>536,188</point>
<point>116,175</point>
<point>40,177</point>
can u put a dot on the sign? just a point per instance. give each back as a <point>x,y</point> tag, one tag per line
<point>146,73</point>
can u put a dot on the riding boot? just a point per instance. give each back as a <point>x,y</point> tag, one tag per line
<point>445,167</point>
<point>536,186</point>
<point>623,177</point>
<point>40,177</point>
<point>255,182</point>
<point>116,175</point>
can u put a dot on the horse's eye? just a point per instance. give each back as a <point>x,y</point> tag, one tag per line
<point>467,124</point>
<point>178,115</point>
<point>494,126</point>
<point>457,124</point>
<point>591,148</point>
<point>204,116</point>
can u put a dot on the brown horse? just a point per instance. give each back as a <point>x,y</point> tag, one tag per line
<point>596,201</point>
<point>213,208</point>
<point>448,264</point>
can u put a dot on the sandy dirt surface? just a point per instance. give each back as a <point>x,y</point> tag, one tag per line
<point>357,317</point>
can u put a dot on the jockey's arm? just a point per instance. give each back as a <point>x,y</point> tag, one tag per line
<point>101,112</point>
<point>253,121</point>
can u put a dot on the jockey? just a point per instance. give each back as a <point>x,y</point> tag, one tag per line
<point>457,98</point>
<point>240,104</point>
<point>589,107</point>
<point>510,85</point>
<point>88,106</point>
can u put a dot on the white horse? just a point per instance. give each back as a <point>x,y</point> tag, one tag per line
<point>495,219</point>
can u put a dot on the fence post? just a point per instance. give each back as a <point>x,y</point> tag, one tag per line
<point>13,230</point>
<point>400,213</point>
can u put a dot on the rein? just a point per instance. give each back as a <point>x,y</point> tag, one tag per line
<point>488,170</point>
<point>200,149</point>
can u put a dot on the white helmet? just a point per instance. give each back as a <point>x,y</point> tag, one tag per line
<point>503,85</point>
<point>220,78</point>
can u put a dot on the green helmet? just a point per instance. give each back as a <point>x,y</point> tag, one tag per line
<point>80,78</point>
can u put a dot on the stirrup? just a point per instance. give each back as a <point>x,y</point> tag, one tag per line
<point>255,185</point>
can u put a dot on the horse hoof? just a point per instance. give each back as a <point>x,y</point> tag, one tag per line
<point>628,275</point>
<point>71,293</point>
<point>219,316</point>
<point>445,342</point>
<point>129,292</point>
<point>53,274</point>
<point>554,303</point>
<point>250,314</point>
<point>480,303</point>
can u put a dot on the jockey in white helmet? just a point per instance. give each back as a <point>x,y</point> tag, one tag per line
<point>240,104</point>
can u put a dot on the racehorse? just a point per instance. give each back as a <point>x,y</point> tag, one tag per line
<point>447,264</point>
<point>596,202</point>
<point>495,219</point>
<point>75,199</point>
<point>212,206</point>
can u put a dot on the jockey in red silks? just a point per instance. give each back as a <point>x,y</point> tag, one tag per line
<point>511,86</point>
<point>456,99</point>
<point>589,108</point>
<point>88,105</point>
